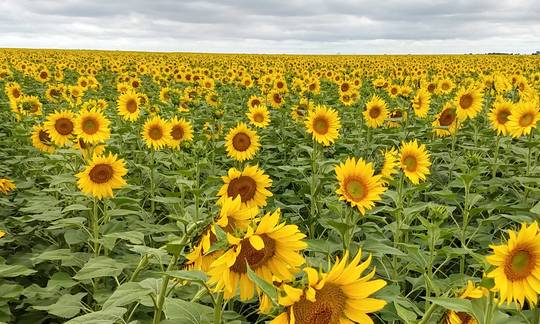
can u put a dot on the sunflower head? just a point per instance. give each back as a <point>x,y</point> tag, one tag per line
<point>60,125</point>
<point>414,161</point>
<point>129,105</point>
<point>323,124</point>
<point>259,116</point>
<point>242,143</point>
<point>156,133</point>
<point>376,112</point>
<point>102,175</point>
<point>92,126</point>
<point>251,184</point>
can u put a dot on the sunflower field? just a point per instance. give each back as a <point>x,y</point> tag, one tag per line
<point>218,188</point>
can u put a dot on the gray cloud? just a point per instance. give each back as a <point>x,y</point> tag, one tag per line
<point>275,26</point>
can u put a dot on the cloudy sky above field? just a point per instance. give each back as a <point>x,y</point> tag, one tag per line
<point>275,26</point>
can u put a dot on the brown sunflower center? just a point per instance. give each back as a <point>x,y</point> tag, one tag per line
<point>255,258</point>
<point>177,132</point>
<point>466,101</point>
<point>54,93</point>
<point>502,116</point>
<point>43,75</point>
<point>345,87</point>
<point>64,126</point>
<point>394,91</point>
<point>90,125</point>
<point>327,308</point>
<point>410,163</point>
<point>131,105</point>
<point>255,102</point>
<point>447,118</point>
<point>321,125</point>
<point>44,137</point>
<point>277,98</point>
<point>374,112</point>
<point>431,87</point>
<point>355,188</point>
<point>101,173</point>
<point>241,142</point>
<point>445,86</point>
<point>244,186</point>
<point>258,117</point>
<point>465,318</point>
<point>526,120</point>
<point>15,93</point>
<point>155,132</point>
<point>520,264</point>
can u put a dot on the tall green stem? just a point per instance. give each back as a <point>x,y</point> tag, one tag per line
<point>95,228</point>
<point>496,158</point>
<point>152,184</point>
<point>313,187</point>
<point>218,309</point>
<point>399,221</point>
<point>163,290</point>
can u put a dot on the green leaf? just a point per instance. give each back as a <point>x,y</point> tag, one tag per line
<point>126,294</point>
<point>67,306</point>
<point>108,316</point>
<point>405,314</point>
<point>536,209</point>
<point>54,255</point>
<point>455,304</point>
<point>187,312</point>
<point>265,286</point>
<point>15,270</point>
<point>189,275</point>
<point>133,237</point>
<point>100,267</point>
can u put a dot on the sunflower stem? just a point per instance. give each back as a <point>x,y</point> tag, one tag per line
<point>152,185</point>
<point>466,209</point>
<point>427,314</point>
<point>218,309</point>
<point>313,187</point>
<point>397,233</point>
<point>163,289</point>
<point>496,158</point>
<point>95,227</point>
<point>529,155</point>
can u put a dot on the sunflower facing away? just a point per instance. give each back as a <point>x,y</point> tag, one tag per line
<point>470,292</point>
<point>517,266</point>
<point>468,103</point>
<point>60,126</point>
<point>156,133</point>
<point>390,165</point>
<point>421,102</point>
<point>6,185</point>
<point>181,130</point>
<point>242,143</point>
<point>101,176</point>
<point>524,118</point>
<point>340,296</point>
<point>446,122</point>
<point>272,249</point>
<point>358,185</point>
<point>259,116</point>
<point>498,116</point>
<point>251,184</point>
<point>376,112</point>
<point>323,124</point>
<point>129,106</point>
<point>414,160</point>
<point>41,139</point>
<point>92,126</point>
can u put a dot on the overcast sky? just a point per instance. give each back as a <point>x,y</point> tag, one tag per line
<point>275,26</point>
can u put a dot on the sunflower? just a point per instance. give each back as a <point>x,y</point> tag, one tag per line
<point>523,118</point>
<point>242,143</point>
<point>156,133</point>
<point>41,139</point>
<point>200,258</point>
<point>300,111</point>
<point>468,103</point>
<point>358,184</point>
<point>181,130</point>
<point>88,150</point>
<point>29,105</point>
<point>376,112</point>
<point>446,122</point>
<point>129,106</point>
<point>259,116</point>
<point>55,93</point>
<point>275,98</point>
<point>270,250</point>
<point>414,160</point>
<point>420,103</point>
<point>102,175</point>
<point>235,215</point>
<point>445,86</point>
<point>470,292</point>
<point>340,296</point>
<point>517,266</point>
<point>390,165</point>
<point>92,126</point>
<point>323,124</point>
<point>60,126</point>
<point>255,101</point>
<point>6,185</point>
<point>251,184</point>
<point>498,116</point>
<point>13,90</point>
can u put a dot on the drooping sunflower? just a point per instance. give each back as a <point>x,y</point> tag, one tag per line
<point>358,184</point>
<point>446,122</point>
<point>41,139</point>
<point>181,130</point>
<point>340,296</point>
<point>200,258</point>
<point>102,175</point>
<point>524,118</point>
<point>270,250</point>
<point>390,165</point>
<point>468,103</point>
<point>421,102</point>
<point>498,116</point>
<point>242,143</point>
<point>156,133</point>
<point>323,124</point>
<point>414,160</point>
<point>7,185</point>
<point>517,266</point>
<point>376,112</point>
<point>470,292</point>
<point>60,126</point>
<point>129,106</point>
<point>92,126</point>
<point>251,184</point>
<point>235,215</point>
<point>259,116</point>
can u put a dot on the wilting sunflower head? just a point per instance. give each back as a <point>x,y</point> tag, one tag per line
<point>390,165</point>
<point>340,296</point>
<point>517,266</point>
<point>242,143</point>
<point>156,133</point>
<point>323,124</point>
<point>446,122</point>
<point>251,184</point>
<point>102,175</point>
<point>414,161</point>
<point>358,184</point>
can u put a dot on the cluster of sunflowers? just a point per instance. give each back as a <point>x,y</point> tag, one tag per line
<point>79,100</point>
